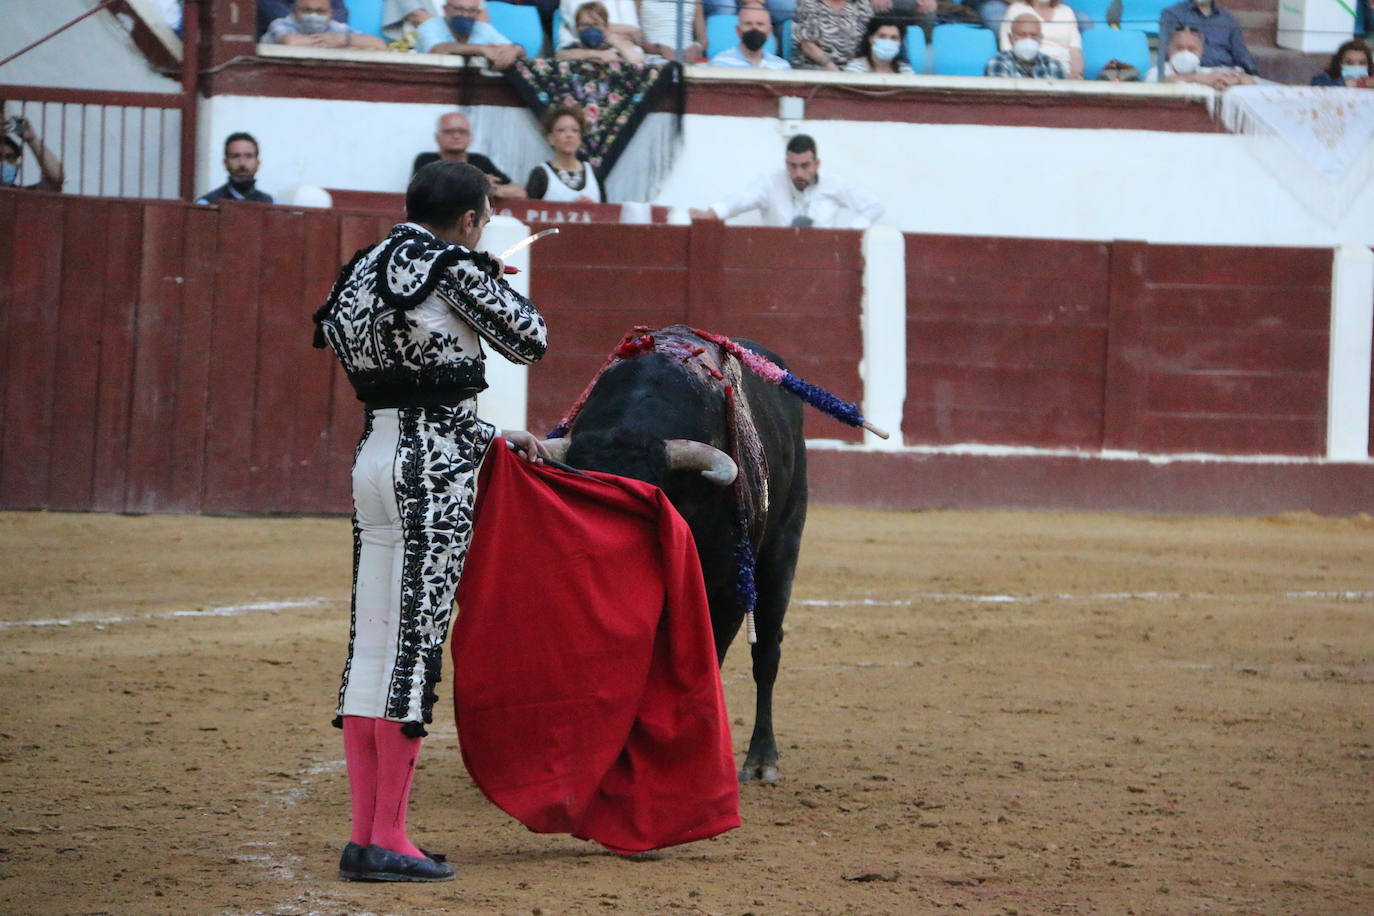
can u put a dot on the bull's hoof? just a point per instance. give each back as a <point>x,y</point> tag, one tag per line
<point>765,773</point>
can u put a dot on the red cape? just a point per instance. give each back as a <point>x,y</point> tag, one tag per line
<point>586,688</point>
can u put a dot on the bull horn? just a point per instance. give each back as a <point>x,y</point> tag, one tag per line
<point>557,448</point>
<point>690,455</point>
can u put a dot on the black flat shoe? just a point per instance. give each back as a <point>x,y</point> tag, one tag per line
<point>350,862</point>
<point>378,864</point>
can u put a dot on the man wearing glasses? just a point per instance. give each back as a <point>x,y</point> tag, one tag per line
<point>452,135</point>
<point>462,31</point>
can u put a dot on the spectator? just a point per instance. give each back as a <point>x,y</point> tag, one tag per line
<point>461,31</point>
<point>565,177</point>
<point>658,19</point>
<point>1024,58</point>
<point>242,163</point>
<point>826,32</point>
<point>452,134</point>
<point>754,29</point>
<point>1060,37</point>
<point>1350,66</point>
<point>310,25</point>
<point>1184,64</point>
<point>622,16</point>
<point>12,154</point>
<point>1223,44</point>
<point>269,11</point>
<point>796,196</point>
<point>881,50</point>
<point>595,40</point>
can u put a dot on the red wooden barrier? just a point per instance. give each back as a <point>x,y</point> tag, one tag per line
<point>157,354</point>
<point>1006,341</point>
<point>797,292</point>
<point>1211,353</point>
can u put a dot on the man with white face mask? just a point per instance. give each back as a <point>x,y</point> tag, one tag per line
<point>1223,42</point>
<point>1024,58</point>
<point>312,25</point>
<point>1184,65</point>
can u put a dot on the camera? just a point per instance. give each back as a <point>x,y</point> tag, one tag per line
<point>16,125</point>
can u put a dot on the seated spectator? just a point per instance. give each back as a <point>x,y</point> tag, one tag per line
<point>1185,65</point>
<point>12,154</point>
<point>658,20</point>
<point>826,32</point>
<point>796,196</point>
<point>311,25</point>
<point>269,11</point>
<point>1060,37</point>
<point>241,162</point>
<point>452,134</point>
<point>595,40</point>
<point>1351,66</point>
<point>754,29</point>
<point>1025,57</point>
<point>565,177</point>
<point>462,32</point>
<point>1222,40</point>
<point>881,50</point>
<point>622,16</point>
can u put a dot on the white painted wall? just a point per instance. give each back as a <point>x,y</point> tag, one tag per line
<point>96,53</point>
<point>958,179</point>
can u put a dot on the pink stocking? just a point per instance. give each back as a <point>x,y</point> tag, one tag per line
<point>360,753</point>
<point>397,756</point>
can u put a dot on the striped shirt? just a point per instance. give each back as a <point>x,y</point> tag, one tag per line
<point>837,32</point>
<point>1007,64</point>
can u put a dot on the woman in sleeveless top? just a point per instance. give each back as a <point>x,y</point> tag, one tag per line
<point>564,178</point>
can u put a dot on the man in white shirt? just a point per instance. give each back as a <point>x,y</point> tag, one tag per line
<point>797,196</point>
<point>1184,65</point>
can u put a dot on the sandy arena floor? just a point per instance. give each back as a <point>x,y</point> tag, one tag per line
<point>990,712</point>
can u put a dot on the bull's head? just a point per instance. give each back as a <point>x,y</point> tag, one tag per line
<point>680,455</point>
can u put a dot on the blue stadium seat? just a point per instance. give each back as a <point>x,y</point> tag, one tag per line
<point>1143,15</point>
<point>365,16</point>
<point>960,50</point>
<point>786,39</point>
<point>1102,45</point>
<point>916,48</point>
<point>1097,9</point>
<point>720,33</point>
<point>518,23</point>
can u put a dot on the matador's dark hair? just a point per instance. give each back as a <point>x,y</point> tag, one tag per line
<point>441,192</point>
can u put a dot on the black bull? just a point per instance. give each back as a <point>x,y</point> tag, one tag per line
<point>636,406</point>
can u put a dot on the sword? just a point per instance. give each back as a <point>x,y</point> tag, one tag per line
<point>526,242</point>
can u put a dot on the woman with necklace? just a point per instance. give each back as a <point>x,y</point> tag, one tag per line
<point>564,178</point>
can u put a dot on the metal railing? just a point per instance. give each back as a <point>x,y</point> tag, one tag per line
<point>110,144</point>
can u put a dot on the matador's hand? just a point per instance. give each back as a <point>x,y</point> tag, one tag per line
<point>525,444</point>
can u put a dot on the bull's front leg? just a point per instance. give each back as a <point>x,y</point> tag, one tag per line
<point>761,762</point>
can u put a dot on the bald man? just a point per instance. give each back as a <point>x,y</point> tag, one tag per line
<point>452,135</point>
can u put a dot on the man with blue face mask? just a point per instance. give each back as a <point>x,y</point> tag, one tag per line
<point>463,32</point>
<point>312,25</point>
<point>12,156</point>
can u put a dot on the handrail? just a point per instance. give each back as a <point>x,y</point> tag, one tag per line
<point>91,96</point>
